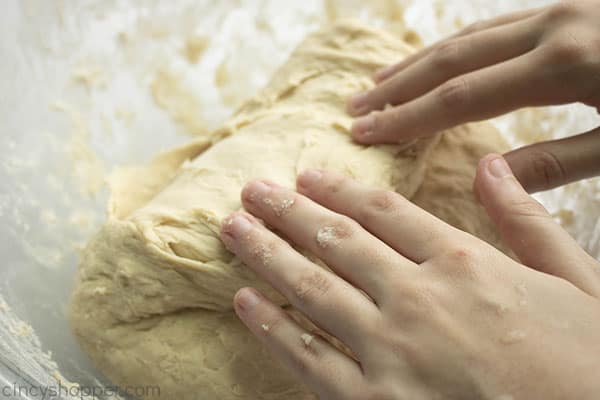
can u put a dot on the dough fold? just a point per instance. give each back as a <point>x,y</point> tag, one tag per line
<point>152,303</point>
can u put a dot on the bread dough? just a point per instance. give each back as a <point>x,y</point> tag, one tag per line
<point>153,298</point>
<point>447,190</point>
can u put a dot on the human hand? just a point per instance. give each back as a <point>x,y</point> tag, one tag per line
<point>447,316</point>
<point>537,57</point>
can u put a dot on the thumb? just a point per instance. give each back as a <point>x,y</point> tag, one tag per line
<point>529,230</point>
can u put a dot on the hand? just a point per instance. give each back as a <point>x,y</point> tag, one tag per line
<point>445,315</point>
<point>537,57</point>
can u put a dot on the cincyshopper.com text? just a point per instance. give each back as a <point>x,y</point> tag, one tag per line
<point>76,392</point>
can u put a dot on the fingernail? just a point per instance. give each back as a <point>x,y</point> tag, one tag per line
<point>246,299</point>
<point>359,103</point>
<point>255,190</point>
<point>499,168</point>
<point>309,178</point>
<point>364,126</point>
<point>237,226</point>
<point>383,73</point>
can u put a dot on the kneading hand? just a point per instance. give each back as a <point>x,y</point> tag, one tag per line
<point>440,313</point>
<point>537,57</point>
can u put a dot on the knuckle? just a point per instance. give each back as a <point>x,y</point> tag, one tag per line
<point>386,94</point>
<point>312,287</point>
<point>528,208</point>
<point>373,256</point>
<point>464,255</point>
<point>334,231</point>
<point>454,94</point>
<point>461,262</point>
<point>419,302</point>
<point>388,123</point>
<point>262,251</point>
<point>383,121</point>
<point>275,324</point>
<point>563,9</point>
<point>568,50</point>
<point>447,54</point>
<point>400,346</point>
<point>519,211</point>
<point>547,169</point>
<point>334,183</point>
<point>378,202</point>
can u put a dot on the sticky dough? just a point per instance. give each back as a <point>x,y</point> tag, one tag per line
<point>152,303</point>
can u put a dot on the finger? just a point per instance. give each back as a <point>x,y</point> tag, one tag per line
<point>529,230</point>
<point>324,368</point>
<point>478,95</point>
<point>408,229</point>
<point>503,19</point>
<point>349,250</point>
<point>480,26</point>
<point>547,165</point>
<point>326,299</point>
<point>450,59</point>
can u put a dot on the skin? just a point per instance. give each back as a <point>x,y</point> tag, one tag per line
<point>428,311</point>
<point>446,315</point>
<point>537,57</point>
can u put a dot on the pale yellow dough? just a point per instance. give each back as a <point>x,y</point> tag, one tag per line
<point>153,298</point>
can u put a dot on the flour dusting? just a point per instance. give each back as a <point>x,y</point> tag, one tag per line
<point>327,236</point>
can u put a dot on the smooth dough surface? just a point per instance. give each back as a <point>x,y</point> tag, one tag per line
<point>152,303</point>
